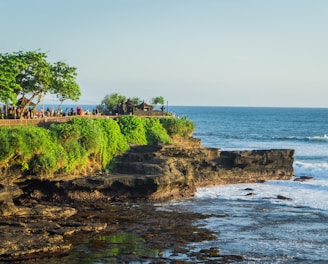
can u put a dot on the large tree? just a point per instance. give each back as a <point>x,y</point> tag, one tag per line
<point>111,103</point>
<point>30,75</point>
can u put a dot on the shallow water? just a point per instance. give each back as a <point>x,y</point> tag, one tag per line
<point>265,232</point>
<point>261,227</point>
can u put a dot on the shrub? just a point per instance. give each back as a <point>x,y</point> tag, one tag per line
<point>91,134</point>
<point>114,142</point>
<point>64,133</point>
<point>133,128</point>
<point>27,146</point>
<point>85,138</point>
<point>79,138</point>
<point>53,159</point>
<point>6,150</point>
<point>155,132</point>
<point>178,126</point>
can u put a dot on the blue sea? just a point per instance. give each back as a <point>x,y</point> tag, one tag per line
<point>262,228</point>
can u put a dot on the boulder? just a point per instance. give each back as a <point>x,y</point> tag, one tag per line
<point>303,178</point>
<point>281,197</point>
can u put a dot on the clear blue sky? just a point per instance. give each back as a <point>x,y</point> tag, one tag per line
<point>191,52</point>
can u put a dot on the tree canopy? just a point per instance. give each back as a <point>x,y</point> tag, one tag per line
<point>111,103</point>
<point>158,100</point>
<point>136,100</point>
<point>10,69</point>
<point>30,75</point>
<point>64,85</point>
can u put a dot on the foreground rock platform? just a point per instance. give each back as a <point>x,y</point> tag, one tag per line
<point>37,216</point>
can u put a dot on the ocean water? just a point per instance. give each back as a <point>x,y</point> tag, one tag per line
<point>261,227</point>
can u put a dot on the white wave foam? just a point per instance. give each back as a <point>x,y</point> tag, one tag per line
<point>308,138</point>
<point>317,170</point>
<point>319,138</point>
<point>312,193</point>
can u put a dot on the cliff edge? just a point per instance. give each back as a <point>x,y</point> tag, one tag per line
<point>176,170</point>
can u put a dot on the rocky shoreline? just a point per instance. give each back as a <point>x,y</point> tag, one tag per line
<point>40,218</point>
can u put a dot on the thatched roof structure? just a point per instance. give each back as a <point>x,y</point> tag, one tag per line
<point>145,107</point>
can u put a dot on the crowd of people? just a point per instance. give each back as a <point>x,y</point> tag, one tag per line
<point>10,112</point>
<point>78,111</point>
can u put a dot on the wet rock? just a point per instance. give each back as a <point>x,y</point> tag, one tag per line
<point>39,237</point>
<point>303,178</point>
<point>213,256</point>
<point>232,258</point>
<point>281,197</point>
<point>250,194</point>
<point>54,211</point>
<point>212,252</point>
<point>7,194</point>
<point>249,189</point>
<point>47,234</point>
<point>29,239</point>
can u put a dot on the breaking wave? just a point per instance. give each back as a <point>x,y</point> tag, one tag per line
<point>323,138</point>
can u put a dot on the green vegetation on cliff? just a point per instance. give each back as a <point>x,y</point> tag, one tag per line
<point>81,142</point>
<point>143,131</point>
<point>30,147</point>
<point>178,126</point>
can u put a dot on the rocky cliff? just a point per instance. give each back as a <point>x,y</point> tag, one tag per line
<point>46,207</point>
<point>176,170</point>
<point>152,172</point>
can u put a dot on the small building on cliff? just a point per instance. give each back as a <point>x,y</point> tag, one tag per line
<point>143,109</point>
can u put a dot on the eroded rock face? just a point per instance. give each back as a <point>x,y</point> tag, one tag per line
<point>200,166</point>
<point>231,167</point>
<point>174,171</point>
